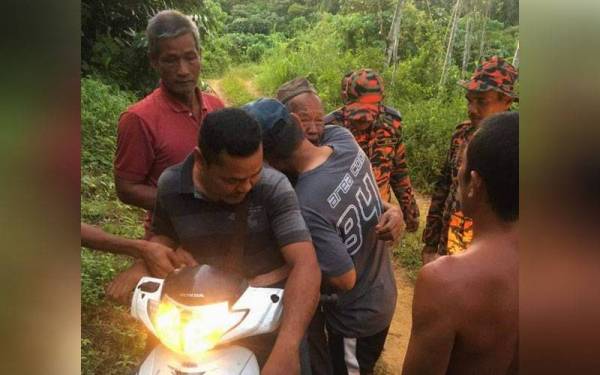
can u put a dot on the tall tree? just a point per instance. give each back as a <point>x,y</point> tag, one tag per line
<point>393,37</point>
<point>516,56</point>
<point>452,32</point>
<point>467,47</point>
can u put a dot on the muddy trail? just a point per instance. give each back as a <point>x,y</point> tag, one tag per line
<point>396,344</point>
<point>215,85</point>
<point>392,358</point>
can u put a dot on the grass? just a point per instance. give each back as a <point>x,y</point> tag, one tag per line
<point>235,86</point>
<point>112,342</point>
<point>408,254</point>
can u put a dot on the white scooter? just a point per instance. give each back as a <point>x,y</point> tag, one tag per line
<point>198,313</point>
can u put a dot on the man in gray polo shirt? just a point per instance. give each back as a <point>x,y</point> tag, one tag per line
<point>343,210</point>
<point>196,208</point>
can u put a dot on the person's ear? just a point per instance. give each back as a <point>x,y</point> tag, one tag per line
<point>475,185</point>
<point>198,157</point>
<point>508,101</point>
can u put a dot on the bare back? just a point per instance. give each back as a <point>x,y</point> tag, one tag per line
<point>465,312</point>
<point>486,317</point>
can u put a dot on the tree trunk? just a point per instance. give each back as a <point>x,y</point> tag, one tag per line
<point>447,58</point>
<point>485,18</point>
<point>394,36</point>
<point>516,56</point>
<point>467,47</point>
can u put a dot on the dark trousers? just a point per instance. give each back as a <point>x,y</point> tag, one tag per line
<point>320,360</point>
<point>353,356</point>
<point>262,345</point>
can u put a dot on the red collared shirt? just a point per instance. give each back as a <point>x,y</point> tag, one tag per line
<point>158,132</point>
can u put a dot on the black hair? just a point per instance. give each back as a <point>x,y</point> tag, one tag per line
<point>494,154</point>
<point>231,130</point>
<point>282,140</point>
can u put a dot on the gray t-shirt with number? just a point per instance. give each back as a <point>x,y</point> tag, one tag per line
<point>341,205</point>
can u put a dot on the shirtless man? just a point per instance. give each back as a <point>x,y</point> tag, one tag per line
<point>465,308</point>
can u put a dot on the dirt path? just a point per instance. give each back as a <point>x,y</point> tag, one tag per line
<point>251,89</point>
<point>397,340</point>
<point>392,358</point>
<point>215,84</point>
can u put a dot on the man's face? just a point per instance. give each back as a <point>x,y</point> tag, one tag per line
<point>309,110</point>
<point>178,64</point>
<point>486,103</point>
<point>229,178</point>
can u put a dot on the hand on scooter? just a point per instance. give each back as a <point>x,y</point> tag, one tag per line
<point>119,290</point>
<point>156,257</point>
<point>181,258</point>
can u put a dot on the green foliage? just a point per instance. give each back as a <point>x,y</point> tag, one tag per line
<point>408,254</point>
<point>428,126</point>
<point>430,113</point>
<point>101,105</point>
<point>324,63</point>
<point>113,41</point>
<point>111,343</point>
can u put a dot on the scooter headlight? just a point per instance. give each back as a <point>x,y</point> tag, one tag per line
<point>191,329</point>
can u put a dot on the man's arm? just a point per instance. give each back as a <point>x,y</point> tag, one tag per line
<point>299,304</point>
<point>332,253</point>
<point>120,288</point>
<point>135,193</point>
<point>344,282</point>
<point>155,255</point>
<point>433,332</point>
<point>402,187</point>
<point>95,238</point>
<point>434,224</point>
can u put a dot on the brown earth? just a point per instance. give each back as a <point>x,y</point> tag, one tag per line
<point>215,85</point>
<point>392,358</point>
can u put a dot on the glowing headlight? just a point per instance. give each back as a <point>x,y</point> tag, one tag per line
<point>192,330</point>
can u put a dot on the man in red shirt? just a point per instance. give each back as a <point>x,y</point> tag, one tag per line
<point>161,129</point>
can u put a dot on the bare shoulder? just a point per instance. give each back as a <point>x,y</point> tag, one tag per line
<point>437,280</point>
<point>441,271</point>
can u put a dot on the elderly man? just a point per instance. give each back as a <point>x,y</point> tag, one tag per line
<point>378,130</point>
<point>160,130</point>
<point>301,99</point>
<point>465,308</point>
<point>489,91</point>
<point>343,210</point>
<point>220,201</point>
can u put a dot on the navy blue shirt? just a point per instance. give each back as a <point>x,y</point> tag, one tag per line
<point>341,204</point>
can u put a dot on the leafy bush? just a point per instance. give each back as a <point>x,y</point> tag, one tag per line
<point>101,105</point>
<point>113,41</point>
<point>111,342</point>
